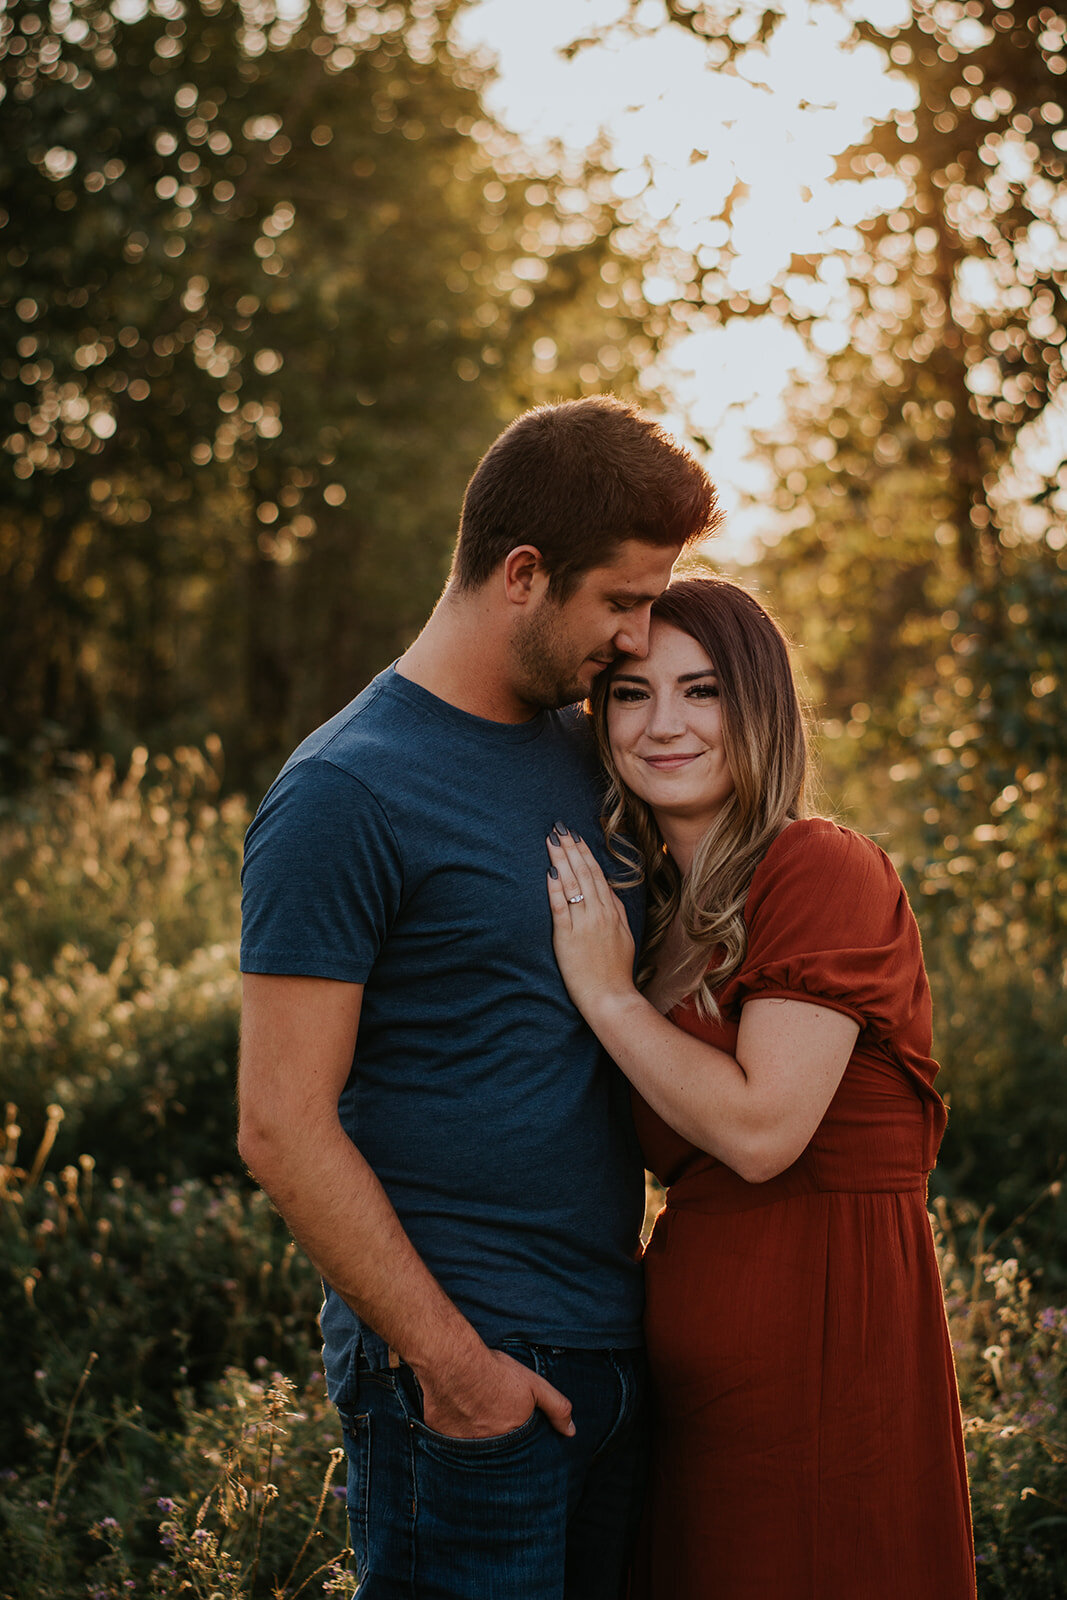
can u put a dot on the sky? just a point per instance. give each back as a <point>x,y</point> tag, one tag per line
<point>683,134</point>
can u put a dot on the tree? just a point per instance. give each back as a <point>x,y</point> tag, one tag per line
<point>923,566</point>
<point>270,288</point>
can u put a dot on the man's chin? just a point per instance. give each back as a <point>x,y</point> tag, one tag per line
<point>569,692</point>
<point>592,668</point>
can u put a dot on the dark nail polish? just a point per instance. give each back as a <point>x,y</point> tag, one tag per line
<point>577,838</point>
<point>553,837</point>
<point>553,872</point>
<point>561,829</point>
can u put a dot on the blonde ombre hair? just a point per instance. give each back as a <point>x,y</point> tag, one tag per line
<point>764,742</point>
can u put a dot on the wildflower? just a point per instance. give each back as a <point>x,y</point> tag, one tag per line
<point>165,1505</point>
<point>107,1522</point>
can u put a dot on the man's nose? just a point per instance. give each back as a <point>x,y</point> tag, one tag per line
<point>632,637</point>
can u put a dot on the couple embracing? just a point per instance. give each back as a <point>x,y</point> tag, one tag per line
<point>500,952</point>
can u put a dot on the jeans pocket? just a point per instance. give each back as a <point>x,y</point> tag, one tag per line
<point>356,1431</point>
<point>445,1446</point>
<point>409,1393</point>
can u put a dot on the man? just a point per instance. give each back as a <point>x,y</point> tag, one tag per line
<point>418,1096</point>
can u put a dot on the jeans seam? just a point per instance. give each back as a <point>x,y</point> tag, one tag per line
<point>627,1394</point>
<point>413,1485</point>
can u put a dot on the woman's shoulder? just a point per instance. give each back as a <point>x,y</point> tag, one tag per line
<point>817,856</point>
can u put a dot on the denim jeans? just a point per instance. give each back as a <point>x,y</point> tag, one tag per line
<point>526,1515</point>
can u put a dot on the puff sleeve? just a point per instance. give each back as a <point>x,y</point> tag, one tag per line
<point>829,923</point>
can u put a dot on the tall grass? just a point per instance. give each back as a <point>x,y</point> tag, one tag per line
<point>164,1427</point>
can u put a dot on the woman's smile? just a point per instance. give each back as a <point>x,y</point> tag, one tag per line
<point>665,727</point>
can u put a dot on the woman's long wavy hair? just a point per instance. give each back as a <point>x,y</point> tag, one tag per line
<point>764,742</point>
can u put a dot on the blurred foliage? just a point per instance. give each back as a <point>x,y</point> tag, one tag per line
<point>140,1455</point>
<point>923,565</point>
<point>163,1285</point>
<point>147,1293</point>
<point>268,287</point>
<point>1011,1360</point>
<point>118,963</point>
<point>245,1499</point>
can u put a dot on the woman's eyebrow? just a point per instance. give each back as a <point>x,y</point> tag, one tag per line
<point>684,677</point>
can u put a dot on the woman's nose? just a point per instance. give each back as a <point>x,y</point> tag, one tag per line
<point>664,718</point>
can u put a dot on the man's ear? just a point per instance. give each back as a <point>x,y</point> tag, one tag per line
<point>525,577</point>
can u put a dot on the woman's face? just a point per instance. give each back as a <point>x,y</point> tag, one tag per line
<point>665,727</point>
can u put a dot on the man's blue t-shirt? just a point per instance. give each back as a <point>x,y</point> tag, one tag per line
<point>403,847</point>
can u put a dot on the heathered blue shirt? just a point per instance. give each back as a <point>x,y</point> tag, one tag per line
<point>403,847</point>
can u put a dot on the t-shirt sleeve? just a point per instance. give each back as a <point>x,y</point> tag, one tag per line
<point>829,923</point>
<point>322,877</point>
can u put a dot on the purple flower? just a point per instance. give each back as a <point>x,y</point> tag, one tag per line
<point>107,1522</point>
<point>338,1492</point>
<point>165,1505</point>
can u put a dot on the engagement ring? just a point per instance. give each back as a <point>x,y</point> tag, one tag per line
<point>575,899</point>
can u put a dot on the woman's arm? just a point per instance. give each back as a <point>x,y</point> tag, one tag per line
<point>755,1111</point>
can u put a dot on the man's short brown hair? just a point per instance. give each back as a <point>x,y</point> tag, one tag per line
<point>576,480</point>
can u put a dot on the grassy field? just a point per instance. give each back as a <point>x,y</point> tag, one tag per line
<point>165,1428</point>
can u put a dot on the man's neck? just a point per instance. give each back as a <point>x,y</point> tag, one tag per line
<point>461,657</point>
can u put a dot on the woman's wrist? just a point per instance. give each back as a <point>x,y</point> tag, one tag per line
<point>611,1012</point>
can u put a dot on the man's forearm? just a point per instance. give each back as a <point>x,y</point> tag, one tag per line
<point>297,1042</point>
<point>345,1222</point>
<point>340,1215</point>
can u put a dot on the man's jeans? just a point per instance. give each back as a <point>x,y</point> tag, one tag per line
<point>527,1515</point>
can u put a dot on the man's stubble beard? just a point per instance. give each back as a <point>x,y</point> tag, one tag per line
<point>543,661</point>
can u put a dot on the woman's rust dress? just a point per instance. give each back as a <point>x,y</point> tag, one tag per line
<point>809,1444</point>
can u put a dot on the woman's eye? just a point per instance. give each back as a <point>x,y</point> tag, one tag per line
<point>703,691</point>
<point>627,695</point>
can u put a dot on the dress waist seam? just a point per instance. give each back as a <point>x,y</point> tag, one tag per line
<point>754,1202</point>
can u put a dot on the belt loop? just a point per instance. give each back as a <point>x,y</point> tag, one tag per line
<point>375,1351</point>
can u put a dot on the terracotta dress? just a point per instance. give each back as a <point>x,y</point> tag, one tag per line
<point>809,1443</point>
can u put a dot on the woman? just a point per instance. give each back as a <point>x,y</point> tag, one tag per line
<point>809,1441</point>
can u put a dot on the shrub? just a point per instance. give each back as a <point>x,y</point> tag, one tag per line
<point>1011,1358</point>
<point>165,1287</point>
<point>1000,1031</point>
<point>118,965</point>
<point>89,856</point>
<point>138,1057</point>
<point>245,1501</point>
